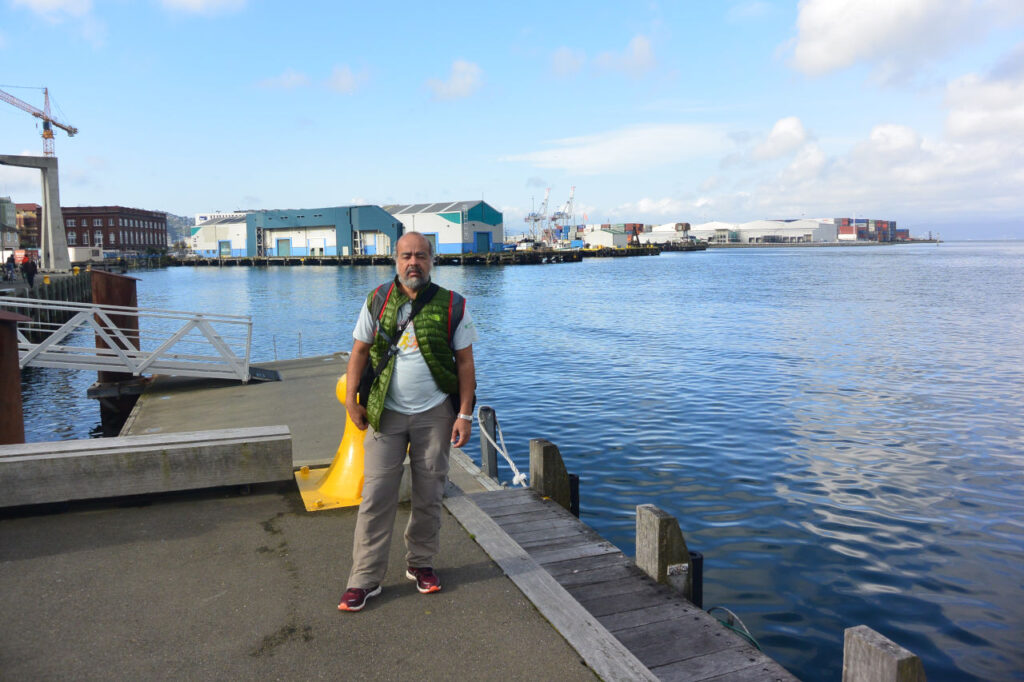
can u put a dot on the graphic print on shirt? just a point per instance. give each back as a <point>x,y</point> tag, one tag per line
<point>408,342</point>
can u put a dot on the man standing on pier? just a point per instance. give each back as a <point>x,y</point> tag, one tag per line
<point>422,399</point>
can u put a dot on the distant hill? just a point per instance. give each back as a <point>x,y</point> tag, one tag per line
<point>179,227</point>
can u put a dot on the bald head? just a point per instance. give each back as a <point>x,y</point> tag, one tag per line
<point>413,258</point>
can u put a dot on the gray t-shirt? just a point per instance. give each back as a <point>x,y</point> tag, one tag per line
<point>412,388</point>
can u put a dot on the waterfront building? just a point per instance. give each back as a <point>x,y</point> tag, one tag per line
<point>454,227</point>
<point>665,234</point>
<point>329,231</point>
<point>8,227</point>
<point>791,231</point>
<point>115,229</point>
<point>596,236</point>
<point>222,237</point>
<point>27,217</point>
<point>201,218</point>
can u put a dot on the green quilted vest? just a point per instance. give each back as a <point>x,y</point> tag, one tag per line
<point>431,325</point>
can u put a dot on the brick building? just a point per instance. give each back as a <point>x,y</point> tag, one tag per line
<point>115,228</point>
<point>27,216</point>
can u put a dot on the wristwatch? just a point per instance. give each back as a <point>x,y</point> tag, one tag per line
<point>467,417</point>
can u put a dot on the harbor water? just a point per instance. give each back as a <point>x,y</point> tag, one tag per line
<point>838,430</point>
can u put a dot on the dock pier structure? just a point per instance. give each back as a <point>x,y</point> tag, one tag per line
<point>260,576</point>
<point>530,257</point>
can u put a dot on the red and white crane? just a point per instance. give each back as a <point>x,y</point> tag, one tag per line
<point>44,114</point>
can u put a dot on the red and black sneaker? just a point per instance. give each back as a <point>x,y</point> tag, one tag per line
<point>426,580</point>
<point>355,598</point>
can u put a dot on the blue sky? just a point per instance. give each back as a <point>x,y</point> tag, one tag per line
<point>911,110</point>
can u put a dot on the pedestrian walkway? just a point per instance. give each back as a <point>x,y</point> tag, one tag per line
<point>220,585</point>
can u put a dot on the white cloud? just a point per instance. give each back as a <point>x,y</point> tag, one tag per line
<point>787,135</point>
<point>636,60</point>
<point>807,165</point>
<point>627,149</point>
<point>346,81</point>
<point>567,61</point>
<point>980,108</point>
<point>22,184</point>
<point>289,80</point>
<point>204,6</point>
<point>77,12</point>
<point>648,207</point>
<point>465,79</point>
<point>893,35</point>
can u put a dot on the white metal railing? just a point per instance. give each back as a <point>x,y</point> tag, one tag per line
<point>166,341</point>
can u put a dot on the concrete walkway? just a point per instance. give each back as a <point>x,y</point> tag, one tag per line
<point>304,400</point>
<point>221,585</point>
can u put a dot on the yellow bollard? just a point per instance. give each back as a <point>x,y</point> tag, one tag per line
<point>341,484</point>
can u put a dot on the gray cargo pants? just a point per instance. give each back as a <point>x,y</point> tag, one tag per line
<point>428,435</point>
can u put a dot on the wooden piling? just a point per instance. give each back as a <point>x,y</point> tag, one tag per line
<point>661,549</point>
<point>548,475</point>
<point>119,290</point>
<point>871,657</point>
<point>488,453</point>
<point>12,420</point>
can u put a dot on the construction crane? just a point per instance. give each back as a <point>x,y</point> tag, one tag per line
<point>534,217</point>
<point>48,120</point>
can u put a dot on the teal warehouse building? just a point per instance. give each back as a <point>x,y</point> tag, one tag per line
<point>329,231</point>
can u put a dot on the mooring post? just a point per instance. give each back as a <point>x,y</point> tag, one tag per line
<point>871,657</point>
<point>547,472</point>
<point>661,549</point>
<point>112,289</point>
<point>12,419</point>
<point>488,453</point>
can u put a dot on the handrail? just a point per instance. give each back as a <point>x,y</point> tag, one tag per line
<point>167,341</point>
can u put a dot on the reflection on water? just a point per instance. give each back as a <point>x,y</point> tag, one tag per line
<point>838,430</point>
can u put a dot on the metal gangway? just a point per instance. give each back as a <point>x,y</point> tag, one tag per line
<point>138,340</point>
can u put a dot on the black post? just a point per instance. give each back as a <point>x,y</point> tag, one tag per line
<point>574,495</point>
<point>698,579</point>
<point>488,453</point>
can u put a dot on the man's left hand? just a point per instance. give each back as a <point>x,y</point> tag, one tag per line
<point>460,432</point>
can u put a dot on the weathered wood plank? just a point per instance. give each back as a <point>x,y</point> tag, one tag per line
<point>619,603</point>
<point>676,640</point>
<point>733,662</point>
<point>584,593</point>
<point>556,555</point>
<point>514,527</point>
<point>623,571</point>
<point>660,613</point>
<point>497,498</point>
<point>605,655</point>
<point>578,564</point>
<point>538,537</point>
<point>523,510</point>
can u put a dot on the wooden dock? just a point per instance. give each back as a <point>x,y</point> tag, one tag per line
<point>666,633</point>
<point>531,257</point>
